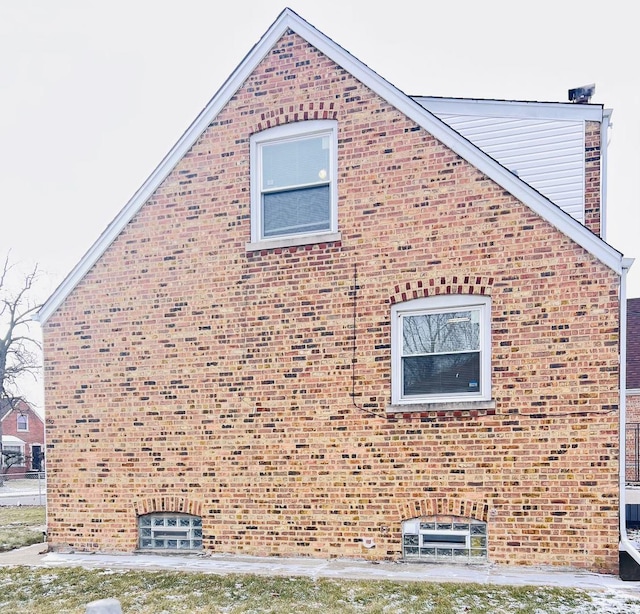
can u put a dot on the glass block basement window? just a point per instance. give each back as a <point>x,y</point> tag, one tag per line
<point>167,531</point>
<point>444,538</point>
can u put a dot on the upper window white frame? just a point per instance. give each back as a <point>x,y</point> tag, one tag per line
<point>285,140</point>
<point>449,307</point>
<point>22,423</point>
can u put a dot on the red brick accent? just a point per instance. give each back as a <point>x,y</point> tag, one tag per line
<point>181,505</point>
<point>291,113</point>
<point>443,506</point>
<point>455,284</point>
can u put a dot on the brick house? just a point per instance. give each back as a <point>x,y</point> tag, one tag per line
<point>330,324</point>
<point>22,431</point>
<point>633,392</point>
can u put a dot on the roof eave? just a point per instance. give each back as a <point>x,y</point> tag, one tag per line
<point>464,148</point>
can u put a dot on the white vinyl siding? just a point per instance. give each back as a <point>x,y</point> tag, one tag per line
<point>543,144</point>
<point>547,154</point>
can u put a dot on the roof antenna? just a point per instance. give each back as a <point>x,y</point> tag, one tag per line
<point>583,94</point>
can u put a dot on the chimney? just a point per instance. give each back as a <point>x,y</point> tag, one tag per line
<point>582,95</point>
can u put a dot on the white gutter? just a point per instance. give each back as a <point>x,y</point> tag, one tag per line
<point>625,544</point>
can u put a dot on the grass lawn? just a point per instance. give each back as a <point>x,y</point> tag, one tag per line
<point>68,590</point>
<point>20,526</point>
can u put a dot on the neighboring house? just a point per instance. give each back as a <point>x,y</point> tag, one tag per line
<point>23,434</point>
<point>632,474</point>
<point>330,324</point>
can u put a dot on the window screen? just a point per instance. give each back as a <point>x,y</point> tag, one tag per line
<point>441,353</point>
<point>295,186</point>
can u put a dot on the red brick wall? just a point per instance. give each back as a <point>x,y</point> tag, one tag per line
<point>186,373</point>
<point>633,438</point>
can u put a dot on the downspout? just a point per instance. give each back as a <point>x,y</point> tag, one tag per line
<point>625,544</point>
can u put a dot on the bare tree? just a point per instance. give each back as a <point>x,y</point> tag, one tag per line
<point>11,458</point>
<point>19,350</point>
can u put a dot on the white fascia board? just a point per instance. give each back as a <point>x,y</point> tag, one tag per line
<point>568,111</point>
<point>459,144</point>
<point>186,141</point>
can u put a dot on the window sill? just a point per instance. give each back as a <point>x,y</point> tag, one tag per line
<point>293,241</point>
<point>441,406</point>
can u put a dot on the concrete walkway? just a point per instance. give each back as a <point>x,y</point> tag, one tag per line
<point>37,555</point>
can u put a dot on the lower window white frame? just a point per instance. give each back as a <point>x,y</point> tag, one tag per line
<point>434,305</point>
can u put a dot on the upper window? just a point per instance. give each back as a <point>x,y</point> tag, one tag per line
<point>22,423</point>
<point>293,184</point>
<point>441,349</point>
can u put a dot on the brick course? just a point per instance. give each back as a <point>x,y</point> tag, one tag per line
<point>185,372</point>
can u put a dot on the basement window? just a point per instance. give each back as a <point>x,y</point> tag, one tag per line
<point>169,531</point>
<point>444,538</point>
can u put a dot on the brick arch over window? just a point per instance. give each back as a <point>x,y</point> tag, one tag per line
<point>435,286</point>
<point>444,506</point>
<point>297,113</point>
<point>182,505</point>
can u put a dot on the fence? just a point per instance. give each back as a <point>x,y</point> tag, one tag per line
<point>632,453</point>
<point>29,488</point>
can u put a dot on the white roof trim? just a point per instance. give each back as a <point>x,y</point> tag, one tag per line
<point>11,440</point>
<point>464,148</point>
<point>513,108</point>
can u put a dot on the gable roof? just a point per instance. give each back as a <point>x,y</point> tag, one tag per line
<point>289,20</point>
<point>633,344</point>
<point>9,405</point>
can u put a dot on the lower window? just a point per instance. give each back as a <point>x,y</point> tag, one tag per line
<point>441,349</point>
<point>444,538</point>
<point>167,531</point>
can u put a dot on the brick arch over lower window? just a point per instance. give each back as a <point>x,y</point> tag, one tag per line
<point>434,286</point>
<point>444,506</point>
<point>297,113</point>
<point>182,505</point>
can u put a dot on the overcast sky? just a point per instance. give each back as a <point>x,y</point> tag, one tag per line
<point>94,94</point>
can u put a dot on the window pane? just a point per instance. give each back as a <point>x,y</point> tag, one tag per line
<point>296,211</point>
<point>295,163</point>
<point>441,332</point>
<point>441,374</point>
